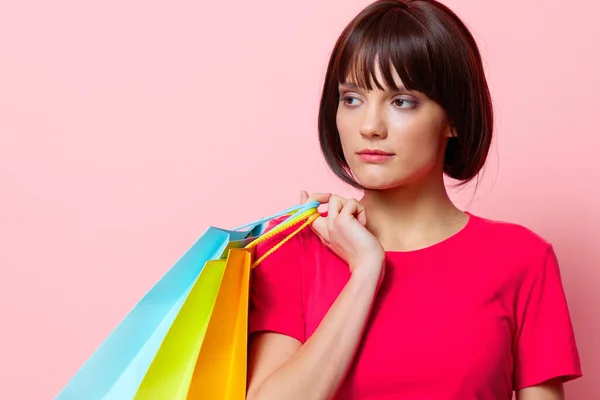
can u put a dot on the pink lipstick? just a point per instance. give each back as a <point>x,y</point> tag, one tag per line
<point>375,155</point>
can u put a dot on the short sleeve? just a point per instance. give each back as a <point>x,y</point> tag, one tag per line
<point>276,300</point>
<point>545,345</point>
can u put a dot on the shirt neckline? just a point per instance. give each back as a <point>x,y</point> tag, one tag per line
<point>460,236</point>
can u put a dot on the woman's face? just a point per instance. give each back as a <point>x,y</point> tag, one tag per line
<point>410,129</point>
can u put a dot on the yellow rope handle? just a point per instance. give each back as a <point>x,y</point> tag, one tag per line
<point>282,227</point>
<point>307,216</point>
<point>278,245</point>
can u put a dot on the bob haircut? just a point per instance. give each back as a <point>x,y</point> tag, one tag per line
<point>434,53</point>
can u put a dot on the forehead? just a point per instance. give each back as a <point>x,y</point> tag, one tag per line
<point>372,76</point>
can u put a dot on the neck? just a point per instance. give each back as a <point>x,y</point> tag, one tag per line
<point>412,217</point>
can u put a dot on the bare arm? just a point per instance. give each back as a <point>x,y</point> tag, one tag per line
<point>550,390</point>
<point>282,368</point>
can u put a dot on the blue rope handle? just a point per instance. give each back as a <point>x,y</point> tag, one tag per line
<point>300,208</point>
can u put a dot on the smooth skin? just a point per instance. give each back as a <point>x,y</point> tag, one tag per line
<point>408,208</point>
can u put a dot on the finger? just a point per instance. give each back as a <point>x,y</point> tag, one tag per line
<point>322,198</point>
<point>319,226</point>
<point>362,215</point>
<point>354,209</point>
<point>336,203</point>
<point>350,208</point>
<point>303,196</point>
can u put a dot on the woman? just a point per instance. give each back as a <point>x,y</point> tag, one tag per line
<point>401,295</point>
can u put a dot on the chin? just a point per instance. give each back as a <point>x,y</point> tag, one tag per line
<point>387,178</point>
<point>380,182</point>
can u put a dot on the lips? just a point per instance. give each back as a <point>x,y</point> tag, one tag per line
<point>375,152</point>
<point>375,156</point>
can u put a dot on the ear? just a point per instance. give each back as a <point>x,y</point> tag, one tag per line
<point>450,131</point>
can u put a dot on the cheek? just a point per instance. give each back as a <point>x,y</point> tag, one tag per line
<point>422,141</point>
<point>419,139</point>
<point>347,130</point>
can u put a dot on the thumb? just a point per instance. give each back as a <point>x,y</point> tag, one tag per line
<point>303,196</point>
<point>362,215</point>
<point>319,226</point>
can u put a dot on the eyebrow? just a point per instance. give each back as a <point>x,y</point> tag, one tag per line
<point>353,86</point>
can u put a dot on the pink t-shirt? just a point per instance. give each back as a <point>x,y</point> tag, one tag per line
<point>475,316</point>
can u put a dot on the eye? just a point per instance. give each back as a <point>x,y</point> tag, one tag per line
<point>404,103</point>
<point>347,100</point>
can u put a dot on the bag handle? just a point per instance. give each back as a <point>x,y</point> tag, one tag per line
<point>290,211</point>
<point>306,215</point>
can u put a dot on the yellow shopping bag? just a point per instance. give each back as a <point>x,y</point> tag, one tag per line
<point>204,354</point>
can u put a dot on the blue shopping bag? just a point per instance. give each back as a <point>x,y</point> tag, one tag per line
<point>117,367</point>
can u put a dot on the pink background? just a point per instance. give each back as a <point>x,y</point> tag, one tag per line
<point>127,127</point>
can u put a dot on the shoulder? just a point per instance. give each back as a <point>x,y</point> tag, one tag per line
<point>512,243</point>
<point>511,235</point>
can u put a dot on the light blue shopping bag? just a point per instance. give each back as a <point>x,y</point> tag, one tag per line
<point>117,367</point>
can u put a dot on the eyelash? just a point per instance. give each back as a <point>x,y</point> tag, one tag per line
<point>414,104</point>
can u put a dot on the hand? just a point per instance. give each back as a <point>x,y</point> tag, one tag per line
<point>344,232</point>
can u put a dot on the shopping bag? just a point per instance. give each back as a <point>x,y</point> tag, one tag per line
<point>220,371</point>
<point>118,366</point>
<point>204,354</point>
<point>171,372</point>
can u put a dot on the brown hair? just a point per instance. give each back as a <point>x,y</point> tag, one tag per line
<point>434,53</point>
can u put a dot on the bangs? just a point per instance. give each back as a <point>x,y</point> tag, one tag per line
<point>386,42</point>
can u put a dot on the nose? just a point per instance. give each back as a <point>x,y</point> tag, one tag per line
<point>373,123</point>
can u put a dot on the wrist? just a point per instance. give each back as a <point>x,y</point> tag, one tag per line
<point>370,270</point>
